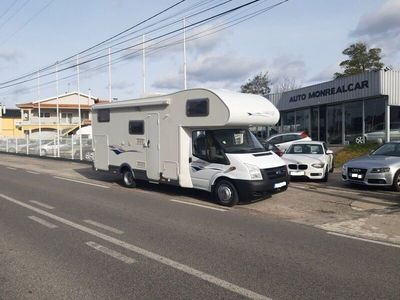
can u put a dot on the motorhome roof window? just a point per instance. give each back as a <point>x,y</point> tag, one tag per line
<point>136,127</point>
<point>197,107</point>
<point>103,115</point>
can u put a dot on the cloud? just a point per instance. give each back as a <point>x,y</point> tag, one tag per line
<point>381,28</point>
<point>219,67</point>
<point>121,85</point>
<point>325,75</point>
<point>285,66</point>
<point>10,56</point>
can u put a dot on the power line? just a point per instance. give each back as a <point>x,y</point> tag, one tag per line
<point>14,14</point>
<point>8,8</point>
<point>27,22</point>
<point>193,37</point>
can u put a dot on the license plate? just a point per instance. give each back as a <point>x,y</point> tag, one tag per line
<point>279,185</point>
<point>297,173</point>
<point>355,175</point>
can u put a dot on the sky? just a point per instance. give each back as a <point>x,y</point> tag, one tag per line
<point>296,40</point>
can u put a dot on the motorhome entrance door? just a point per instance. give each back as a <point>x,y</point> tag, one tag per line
<point>153,146</point>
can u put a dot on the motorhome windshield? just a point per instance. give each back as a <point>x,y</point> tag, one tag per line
<point>237,141</point>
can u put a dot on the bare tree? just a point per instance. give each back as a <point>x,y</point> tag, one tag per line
<point>285,84</point>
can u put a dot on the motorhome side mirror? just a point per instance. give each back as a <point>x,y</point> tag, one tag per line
<point>190,160</point>
<point>329,152</point>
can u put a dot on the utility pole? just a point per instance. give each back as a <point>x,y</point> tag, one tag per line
<point>144,64</point>
<point>184,54</point>
<point>109,75</point>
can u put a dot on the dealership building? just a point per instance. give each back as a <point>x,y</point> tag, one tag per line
<point>353,109</point>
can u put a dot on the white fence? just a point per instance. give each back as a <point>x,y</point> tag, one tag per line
<point>74,147</point>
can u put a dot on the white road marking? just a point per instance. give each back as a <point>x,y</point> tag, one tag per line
<point>33,172</point>
<point>83,182</point>
<point>111,252</point>
<point>199,205</point>
<point>109,228</point>
<point>43,222</point>
<point>11,168</point>
<point>362,239</point>
<point>41,204</point>
<point>151,255</point>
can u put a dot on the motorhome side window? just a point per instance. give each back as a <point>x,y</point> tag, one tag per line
<point>103,115</point>
<point>205,147</point>
<point>197,107</point>
<point>136,127</point>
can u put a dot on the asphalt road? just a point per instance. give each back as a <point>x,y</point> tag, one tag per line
<point>63,239</point>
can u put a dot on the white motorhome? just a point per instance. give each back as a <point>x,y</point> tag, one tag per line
<point>194,138</point>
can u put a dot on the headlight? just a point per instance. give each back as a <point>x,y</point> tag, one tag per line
<point>319,166</point>
<point>344,167</point>
<point>254,171</point>
<point>380,170</point>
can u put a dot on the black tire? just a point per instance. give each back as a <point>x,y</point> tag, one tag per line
<point>128,179</point>
<point>325,179</point>
<point>396,182</point>
<point>333,166</point>
<point>225,193</point>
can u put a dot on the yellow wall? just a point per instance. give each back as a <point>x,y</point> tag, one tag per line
<point>8,128</point>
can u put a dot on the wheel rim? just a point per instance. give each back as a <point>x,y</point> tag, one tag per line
<point>398,182</point>
<point>359,140</point>
<point>128,178</point>
<point>224,193</point>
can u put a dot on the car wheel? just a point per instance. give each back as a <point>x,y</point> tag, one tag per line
<point>396,182</point>
<point>359,140</point>
<point>325,179</point>
<point>89,156</point>
<point>333,166</point>
<point>43,152</point>
<point>12,150</point>
<point>128,179</point>
<point>225,193</point>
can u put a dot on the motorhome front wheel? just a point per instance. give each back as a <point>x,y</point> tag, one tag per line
<point>226,193</point>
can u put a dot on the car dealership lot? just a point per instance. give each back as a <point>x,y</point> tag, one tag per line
<point>324,205</point>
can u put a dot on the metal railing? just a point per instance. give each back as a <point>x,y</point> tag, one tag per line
<point>73,147</point>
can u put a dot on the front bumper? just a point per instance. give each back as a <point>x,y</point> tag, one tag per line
<point>306,171</point>
<point>365,177</point>
<point>274,180</point>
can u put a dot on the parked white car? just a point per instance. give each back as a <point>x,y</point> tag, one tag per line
<point>309,159</point>
<point>284,140</point>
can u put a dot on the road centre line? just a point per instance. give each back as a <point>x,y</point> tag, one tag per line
<point>41,204</point>
<point>106,227</point>
<point>151,255</point>
<point>32,172</point>
<point>363,239</point>
<point>199,205</point>
<point>43,222</point>
<point>11,168</point>
<point>83,182</point>
<point>110,252</point>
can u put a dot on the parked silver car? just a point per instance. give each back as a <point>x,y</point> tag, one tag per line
<point>380,168</point>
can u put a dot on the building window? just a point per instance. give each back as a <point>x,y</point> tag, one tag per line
<point>197,107</point>
<point>302,120</point>
<point>45,115</point>
<point>103,115</point>
<point>353,122</point>
<point>394,123</point>
<point>374,112</point>
<point>288,121</point>
<point>136,127</point>
<point>334,124</point>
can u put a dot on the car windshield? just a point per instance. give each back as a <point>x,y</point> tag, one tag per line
<point>305,149</point>
<point>237,141</point>
<point>389,149</point>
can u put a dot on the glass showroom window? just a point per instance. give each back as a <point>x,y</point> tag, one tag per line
<point>353,122</point>
<point>314,123</point>
<point>288,121</point>
<point>303,120</point>
<point>334,124</point>
<point>374,114</point>
<point>394,123</point>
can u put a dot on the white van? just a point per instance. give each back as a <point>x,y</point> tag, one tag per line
<point>195,138</point>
